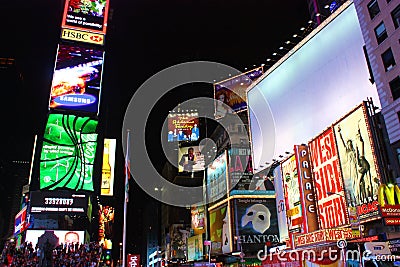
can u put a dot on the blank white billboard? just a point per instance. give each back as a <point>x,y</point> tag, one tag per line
<point>317,84</point>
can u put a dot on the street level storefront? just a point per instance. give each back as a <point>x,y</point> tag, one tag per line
<point>322,256</point>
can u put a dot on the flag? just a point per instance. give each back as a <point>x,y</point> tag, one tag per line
<point>127,166</point>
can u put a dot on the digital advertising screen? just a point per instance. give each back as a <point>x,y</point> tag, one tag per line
<point>198,219</point>
<point>330,195</point>
<point>179,235</point>
<point>86,15</point>
<point>298,98</point>
<point>256,220</point>
<point>292,195</point>
<point>195,248</point>
<point>108,166</point>
<point>20,224</point>
<point>189,163</point>
<point>220,230</point>
<point>232,91</point>
<point>68,153</point>
<point>240,169</point>
<point>54,236</point>
<point>306,185</point>
<point>217,178</point>
<point>183,127</point>
<point>58,202</point>
<point>106,221</point>
<point>358,162</point>
<point>76,83</point>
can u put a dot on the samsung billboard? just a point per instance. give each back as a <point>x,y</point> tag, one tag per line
<point>315,84</point>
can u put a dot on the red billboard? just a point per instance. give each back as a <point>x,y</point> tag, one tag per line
<point>86,15</point>
<point>133,260</point>
<point>332,208</point>
<point>358,162</point>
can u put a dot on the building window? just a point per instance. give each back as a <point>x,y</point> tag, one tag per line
<point>396,16</point>
<point>380,32</point>
<point>388,59</point>
<point>395,87</point>
<point>373,8</point>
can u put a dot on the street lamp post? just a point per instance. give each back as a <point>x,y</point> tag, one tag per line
<point>120,254</point>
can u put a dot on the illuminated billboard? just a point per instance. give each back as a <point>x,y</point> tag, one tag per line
<point>183,126</point>
<point>56,236</point>
<point>106,221</point>
<point>306,185</point>
<point>240,169</point>
<point>179,235</point>
<point>58,202</point>
<point>81,36</point>
<point>232,91</point>
<point>220,230</point>
<point>216,178</point>
<point>358,162</point>
<point>332,209</point>
<point>195,248</point>
<point>255,223</point>
<point>20,224</point>
<point>68,152</point>
<point>86,15</point>
<point>280,205</point>
<point>321,79</point>
<point>190,161</point>
<point>292,195</point>
<point>198,219</point>
<point>77,78</point>
<point>107,170</point>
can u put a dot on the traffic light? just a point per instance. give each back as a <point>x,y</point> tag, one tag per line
<point>107,257</point>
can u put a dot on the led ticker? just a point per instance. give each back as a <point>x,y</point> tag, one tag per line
<point>68,153</point>
<point>77,76</point>
<point>86,15</point>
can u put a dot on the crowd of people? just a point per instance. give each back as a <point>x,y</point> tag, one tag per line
<point>63,255</point>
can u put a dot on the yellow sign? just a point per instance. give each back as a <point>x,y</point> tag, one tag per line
<point>81,36</point>
<point>293,211</point>
<point>390,191</point>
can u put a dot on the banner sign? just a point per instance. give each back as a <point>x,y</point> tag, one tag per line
<point>321,236</point>
<point>62,202</point>
<point>81,36</point>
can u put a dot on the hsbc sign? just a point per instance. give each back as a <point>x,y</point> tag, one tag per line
<point>81,36</point>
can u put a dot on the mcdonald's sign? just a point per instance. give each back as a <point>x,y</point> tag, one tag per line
<point>387,193</point>
<point>389,202</point>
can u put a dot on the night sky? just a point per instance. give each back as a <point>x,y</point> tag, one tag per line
<point>143,38</point>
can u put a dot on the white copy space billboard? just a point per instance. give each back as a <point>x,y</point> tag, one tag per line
<point>322,80</point>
